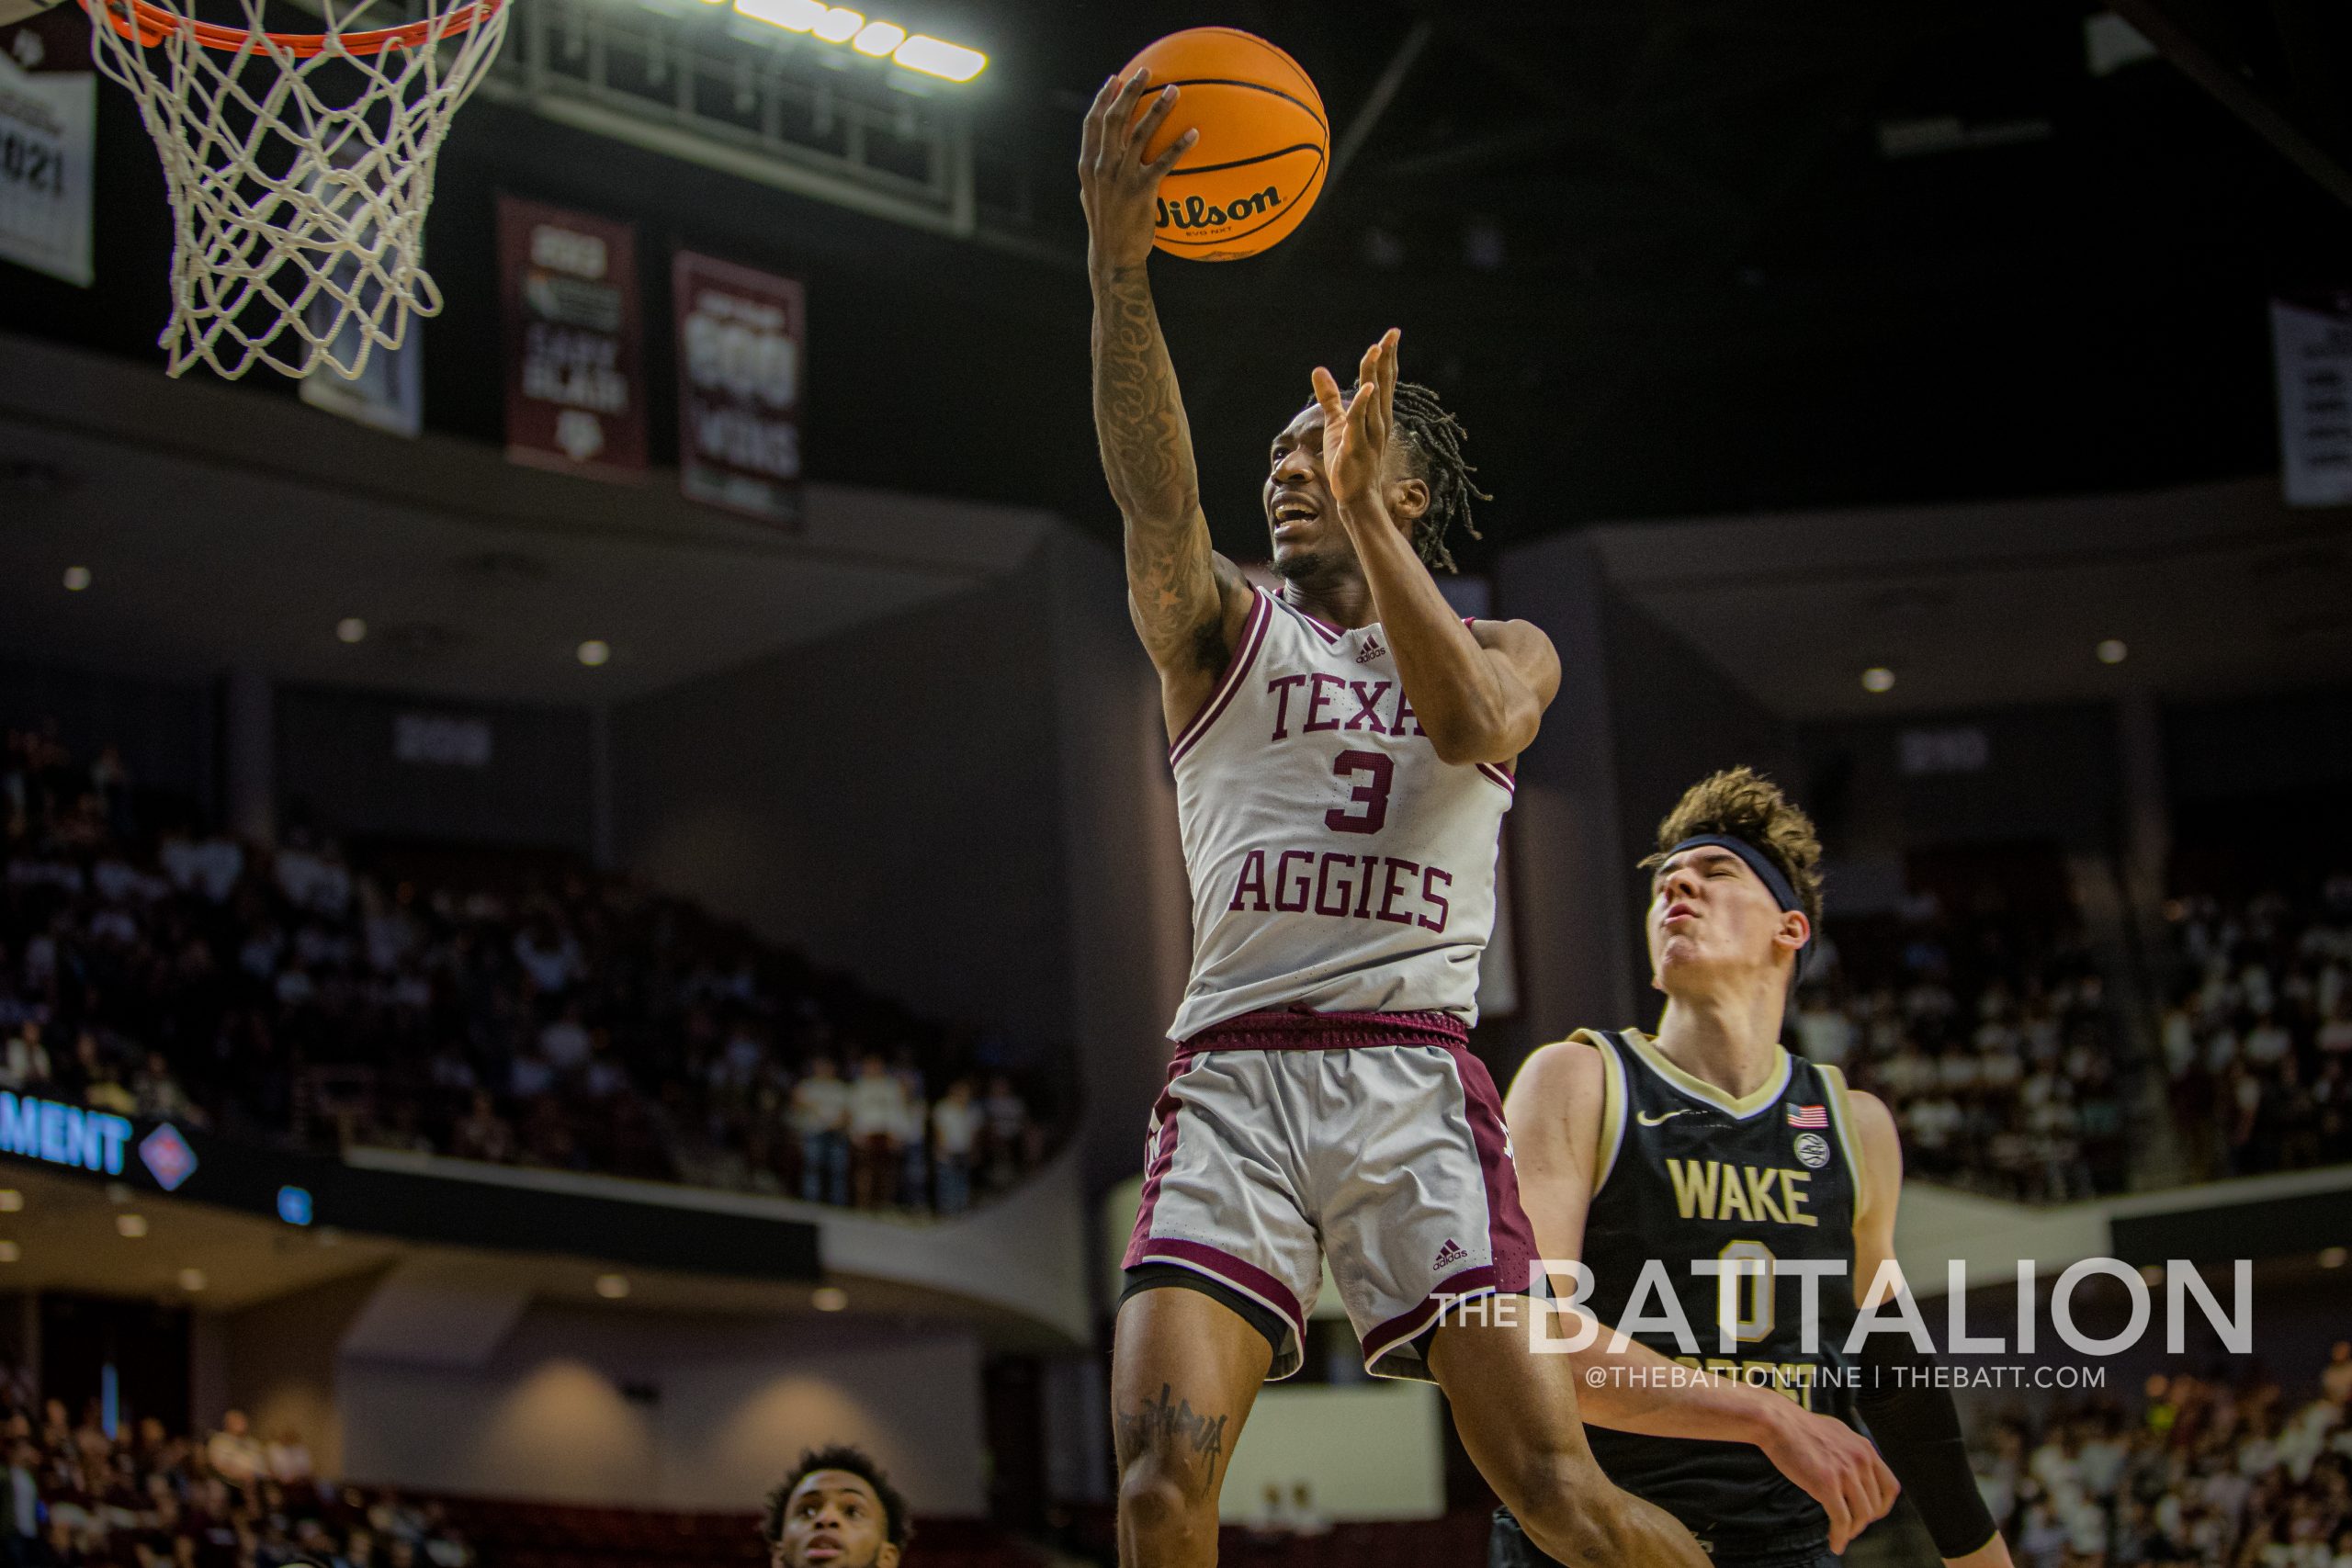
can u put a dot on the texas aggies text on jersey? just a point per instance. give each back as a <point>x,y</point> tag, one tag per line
<point>1337,865</point>
<point>1687,1173</point>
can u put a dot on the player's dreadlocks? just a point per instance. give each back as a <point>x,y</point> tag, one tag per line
<point>1436,438</point>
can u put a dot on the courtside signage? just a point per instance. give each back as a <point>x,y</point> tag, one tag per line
<point>430,1200</point>
<point>62,1134</point>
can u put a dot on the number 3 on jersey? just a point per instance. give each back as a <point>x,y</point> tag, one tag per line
<point>1373,794</point>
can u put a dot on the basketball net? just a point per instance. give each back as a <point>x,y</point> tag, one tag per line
<point>300,169</point>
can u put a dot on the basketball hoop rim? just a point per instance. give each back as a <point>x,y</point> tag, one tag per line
<point>148,25</point>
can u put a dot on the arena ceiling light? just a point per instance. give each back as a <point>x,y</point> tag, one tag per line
<point>936,57</point>
<point>878,38</point>
<point>838,24</point>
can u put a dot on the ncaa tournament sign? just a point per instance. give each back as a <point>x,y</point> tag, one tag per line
<point>58,1133</point>
<point>741,337</point>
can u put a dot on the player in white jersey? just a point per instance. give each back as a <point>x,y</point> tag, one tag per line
<point>1343,754</point>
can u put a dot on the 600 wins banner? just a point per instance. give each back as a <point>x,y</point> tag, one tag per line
<point>740,335</point>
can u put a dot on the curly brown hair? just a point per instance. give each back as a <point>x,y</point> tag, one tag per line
<point>1740,803</point>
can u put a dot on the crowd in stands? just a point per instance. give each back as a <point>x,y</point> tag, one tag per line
<point>2258,1037</point>
<point>569,1019</point>
<point>74,1495</point>
<point>509,1534</point>
<point>1987,1037</point>
<point>2205,1475</point>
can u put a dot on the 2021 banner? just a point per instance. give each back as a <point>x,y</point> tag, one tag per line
<point>48,130</point>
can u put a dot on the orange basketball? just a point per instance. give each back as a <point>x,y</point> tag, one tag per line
<point>1259,164</point>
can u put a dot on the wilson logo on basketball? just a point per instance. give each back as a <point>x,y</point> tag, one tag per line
<point>1263,141</point>
<point>1192,213</point>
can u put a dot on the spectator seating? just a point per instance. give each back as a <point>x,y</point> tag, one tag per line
<point>146,1498</point>
<point>142,1497</point>
<point>550,1535</point>
<point>2257,1029</point>
<point>473,1005</point>
<point>1457,1538</point>
<point>2202,1472</point>
<point>1988,1036</point>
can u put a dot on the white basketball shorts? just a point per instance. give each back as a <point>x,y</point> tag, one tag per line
<point>1374,1138</point>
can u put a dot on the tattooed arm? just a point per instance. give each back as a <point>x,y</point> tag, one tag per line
<point>1187,602</point>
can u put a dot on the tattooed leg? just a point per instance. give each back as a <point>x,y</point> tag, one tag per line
<point>1188,1445</point>
<point>1184,1372</point>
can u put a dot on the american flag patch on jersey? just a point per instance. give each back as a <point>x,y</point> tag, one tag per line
<point>1808,1116</point>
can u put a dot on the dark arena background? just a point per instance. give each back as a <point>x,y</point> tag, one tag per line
<point>551,964</point>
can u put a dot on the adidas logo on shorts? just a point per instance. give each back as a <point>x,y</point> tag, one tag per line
<point>1449,1254</point>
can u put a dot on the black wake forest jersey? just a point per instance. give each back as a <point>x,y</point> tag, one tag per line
<point>1686,1173</point>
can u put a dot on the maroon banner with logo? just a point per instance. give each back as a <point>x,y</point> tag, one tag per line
<point>741,337</point>
<point>575,384</point>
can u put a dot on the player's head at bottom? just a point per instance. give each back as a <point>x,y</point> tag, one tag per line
<point>836,1509</point>
<point>1735,887</point>
<point>1426,488</point>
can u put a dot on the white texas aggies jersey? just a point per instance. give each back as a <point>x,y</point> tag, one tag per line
<point>1337,865</point>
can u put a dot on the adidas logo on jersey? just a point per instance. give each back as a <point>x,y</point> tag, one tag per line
<point>1449,1254</point>
<point>1371,648</point>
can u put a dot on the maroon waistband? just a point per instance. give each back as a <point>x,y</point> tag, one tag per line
<point>1326,1032</point>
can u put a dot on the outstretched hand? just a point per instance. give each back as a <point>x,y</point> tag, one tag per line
<point>1356,431</point>
<point>1116,185</point>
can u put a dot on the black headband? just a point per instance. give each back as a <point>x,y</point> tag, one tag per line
<point>1775,881</point>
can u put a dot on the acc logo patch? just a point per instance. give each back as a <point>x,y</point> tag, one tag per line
<point>1812,1150</point>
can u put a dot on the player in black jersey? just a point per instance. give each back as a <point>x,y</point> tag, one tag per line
<point>1713,1145</point>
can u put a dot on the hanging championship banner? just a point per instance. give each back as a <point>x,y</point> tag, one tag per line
<point>2312,338</point>
<point>575,387</point>
<point>48,106</point>
<point>740,339</point>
